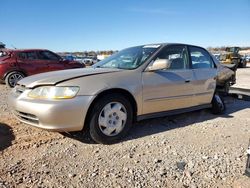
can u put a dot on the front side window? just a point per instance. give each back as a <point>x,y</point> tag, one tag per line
<point>46,55</point>
<point>200,58</point>
<point>130,58</point>
<point>176,55</point>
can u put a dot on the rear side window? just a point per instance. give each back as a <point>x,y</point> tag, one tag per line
<point>177,55</point>
<point>200,58</point>
<point>22,55</point>
<point>27,55</point>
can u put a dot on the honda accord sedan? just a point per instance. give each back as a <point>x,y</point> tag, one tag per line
<point>134,84</point>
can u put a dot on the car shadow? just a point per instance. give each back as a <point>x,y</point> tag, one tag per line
<point>157,125</point>
<point>6,136</point>
<point>80,136</point>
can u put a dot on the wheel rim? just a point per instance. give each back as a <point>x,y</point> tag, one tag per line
<point>219,102</point>
<point>14,78</point>
<point>112,118</point>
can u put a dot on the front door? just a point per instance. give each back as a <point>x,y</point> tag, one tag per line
<point>52,60</point>
<point>205,72</point>
<point>169,89</point>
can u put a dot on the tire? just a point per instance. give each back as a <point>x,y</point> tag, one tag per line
<point>227,87</point>
<point>235,62</point>
<point>12,78</point>
<point>218,105</point>
<point>243,64</point>
<point>111,119</point>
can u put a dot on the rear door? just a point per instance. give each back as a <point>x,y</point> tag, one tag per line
<point>205,73</point>
<point>29,62</point>
<point>169,89</point>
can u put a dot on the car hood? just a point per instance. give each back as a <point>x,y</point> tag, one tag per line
<point>55,77</point>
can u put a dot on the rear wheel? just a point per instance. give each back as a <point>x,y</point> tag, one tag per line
<point>218,105</point>
<point>111,119</point>
<point>12,78</point>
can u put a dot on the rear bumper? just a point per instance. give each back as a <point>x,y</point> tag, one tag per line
<point>55,115</point>
<point>2,73</point>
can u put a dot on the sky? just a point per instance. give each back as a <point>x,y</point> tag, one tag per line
<point>79,25</point>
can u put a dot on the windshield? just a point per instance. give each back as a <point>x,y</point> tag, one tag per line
<point>233,49</point>
<point>130,58</point>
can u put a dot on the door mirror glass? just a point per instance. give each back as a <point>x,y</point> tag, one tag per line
<point>159,64</point>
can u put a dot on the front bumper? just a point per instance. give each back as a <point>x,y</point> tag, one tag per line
<point>56,115</point>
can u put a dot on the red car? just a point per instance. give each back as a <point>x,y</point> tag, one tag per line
<point>17,64</point>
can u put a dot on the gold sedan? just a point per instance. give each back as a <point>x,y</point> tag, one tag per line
<point>134,84</point>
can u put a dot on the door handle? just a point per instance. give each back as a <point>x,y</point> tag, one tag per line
<point>187,81</point>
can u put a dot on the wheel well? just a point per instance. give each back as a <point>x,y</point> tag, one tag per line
<point>112,91</point>
<point>6,74</point>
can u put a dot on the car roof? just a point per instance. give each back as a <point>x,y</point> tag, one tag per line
<point>169,44</point>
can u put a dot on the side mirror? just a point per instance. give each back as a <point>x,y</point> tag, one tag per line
<point>159,64</point>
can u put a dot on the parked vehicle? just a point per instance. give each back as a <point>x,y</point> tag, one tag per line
<point>134,84</point>
<point>89,61</point>
<point>69,57</point>
<point>2,45</point>
<point>17,64</point>
<point>217,56</point>
<point>247,57</point>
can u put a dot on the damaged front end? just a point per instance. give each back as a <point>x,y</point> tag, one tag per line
<point>226,76</point>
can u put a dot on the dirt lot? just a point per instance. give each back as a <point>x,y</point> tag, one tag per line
<point>195,149</point>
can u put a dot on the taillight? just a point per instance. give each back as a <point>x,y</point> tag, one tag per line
<point>4,56</point>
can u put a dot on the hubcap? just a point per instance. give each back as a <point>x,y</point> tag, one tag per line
<point>14,78</point>
<point>112,118</point>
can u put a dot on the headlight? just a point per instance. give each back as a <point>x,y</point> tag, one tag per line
<point>53,92</point>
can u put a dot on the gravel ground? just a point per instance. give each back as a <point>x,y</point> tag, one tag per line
<point>195,149</point>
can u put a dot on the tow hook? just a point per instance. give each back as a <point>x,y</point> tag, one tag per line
<point>247,172</point>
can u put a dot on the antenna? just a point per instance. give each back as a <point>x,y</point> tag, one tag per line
<point>13,46</point>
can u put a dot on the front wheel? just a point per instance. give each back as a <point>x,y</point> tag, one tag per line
<point>243,64</point>
<point>111,119</point>
<point>12,78</point>
<point>218,105</point>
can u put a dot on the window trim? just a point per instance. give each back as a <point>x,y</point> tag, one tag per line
<point>190,59</point>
